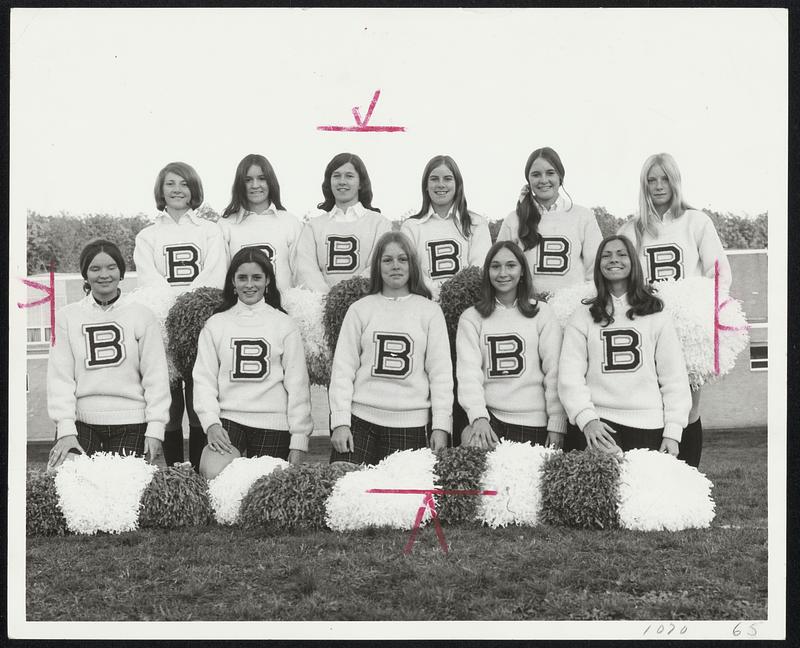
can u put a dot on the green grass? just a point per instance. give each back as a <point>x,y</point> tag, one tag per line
<point>504,574</point>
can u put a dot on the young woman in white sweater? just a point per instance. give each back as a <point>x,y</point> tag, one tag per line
<point>508,347</point>
<point>107,379</point>
<point>338,244</point>
<point>255,217</point>
<point>674,241</point>
<point>622,376</point>
<point>180,251</point>
<point>447,237</point>
<point>392,373</point>
<point>251,389</point>
<point>559,238</point>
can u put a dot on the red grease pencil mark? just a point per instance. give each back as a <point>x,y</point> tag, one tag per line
<point>50,291</point>
<point>363,126</point>
<point>717,326</point>
<point>428,503</point>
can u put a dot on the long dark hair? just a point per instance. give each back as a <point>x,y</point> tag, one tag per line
<point>91,250</point>
<point>640,296</point>
<point>239,189</point>
<point>459,199</point>
<point>486,304</point>
<point>416,285</point>
<point>364,184</point>
<point>250,255</point>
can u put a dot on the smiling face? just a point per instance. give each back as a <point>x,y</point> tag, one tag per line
<point>659,188</point>
<point>345,185</point>
<point>103,276</point>
<point>615,264</point>
<point>441,187</point>
<point>504,274</point>
<point>177,195</point>
<point>255,183</point>
<point>544,181</point>
<point>250,283</point>
<point>394,269</point>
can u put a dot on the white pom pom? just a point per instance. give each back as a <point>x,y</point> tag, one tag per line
<point>513,470</point>
<point>159,300</point>
<point>659,493</point>
<point>565,301</point>
<point>691,304</point>
<point>102,492</point>
<point>306,308</point>
<point>350,506</point>
<point>227,489</point>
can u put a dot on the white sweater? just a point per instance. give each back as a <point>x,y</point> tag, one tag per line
<point>684,247</point>
<point>183,256</point>
<point>442,249</point>
<point>508,364</point>
<point>276,232</point>
<point>631,372</point>
<point>108,367</point>
<point>565,256</point>
<point>251,369</point>
<point>392,364</point>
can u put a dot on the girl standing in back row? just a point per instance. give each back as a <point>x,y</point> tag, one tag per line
<point>674,241</point>
<point>446,235</point>
<point>559,238</point>
<point>338,245</point>
<point>256,218</point>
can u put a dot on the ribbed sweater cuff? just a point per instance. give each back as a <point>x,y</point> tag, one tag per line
<point>443,422</point>
<point>66,427</point>
<point>474,413</point>
<point>673,431</point>
<point>207,420</point>
<point>299,442</point>
<point>584,417</point>
<point>340,418</point>
<point>557,424</point>
<point>155,429</point>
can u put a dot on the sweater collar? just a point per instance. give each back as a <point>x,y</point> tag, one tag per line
<point>90,303</point>
<point>241,309</point>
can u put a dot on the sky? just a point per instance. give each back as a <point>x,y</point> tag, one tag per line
<point>101,99</point>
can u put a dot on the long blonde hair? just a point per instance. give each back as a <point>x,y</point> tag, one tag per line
<point>647,219</point>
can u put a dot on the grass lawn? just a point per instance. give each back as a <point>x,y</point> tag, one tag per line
<point>516,573</point>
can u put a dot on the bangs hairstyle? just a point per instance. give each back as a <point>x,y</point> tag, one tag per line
<point>187,173</point>
<point>486,303</point>
<point>250,255</point>
<point>416,285</point>
<point>364,184</point>
<point>459,199</point>
<point>647,219</point>
<point>239,190</point>
<point>91,250</point>
<point>640,296</point>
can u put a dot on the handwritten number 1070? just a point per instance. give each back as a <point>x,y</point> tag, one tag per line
<point>665,629</point>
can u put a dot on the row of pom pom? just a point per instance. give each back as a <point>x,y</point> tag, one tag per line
<point>646,491</point>
<point>319,318</point>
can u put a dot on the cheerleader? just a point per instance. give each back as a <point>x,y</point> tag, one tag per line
<point>508,347</point>
<point>447,236</point>
<point>391,371</point>
<point>182,251</point>
<point>674,241</point>
<point>251,390</point>
<point>255,217</point>
<point>338,245</point>
<point>559,238</point>
<point>107,379</point>
<point>622,376</point>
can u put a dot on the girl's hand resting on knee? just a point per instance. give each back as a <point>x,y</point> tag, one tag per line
<point>61,449</point>
<point>218,439</point>
<point>598,436</point>
<point>439,440</point>
<point>483,435</point>
<point>670,446</point>
<point>554,440</point>
<point>342,439</point>
<point>296,457</point>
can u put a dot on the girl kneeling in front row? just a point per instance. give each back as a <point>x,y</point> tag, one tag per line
<point>508,347</point>
<point>391,370</point>
<point>251,390</point>
<point>622,376</point>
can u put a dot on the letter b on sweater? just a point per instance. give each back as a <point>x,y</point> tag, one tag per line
<point>250,359</point>
<point>104,345</point>
<point>182,263</point>
<point>443,258</point>
<point>622,350</point>
<point>342,254</point>
<point>393,353</point>
<point>664,262</point>
<point>506,355</point>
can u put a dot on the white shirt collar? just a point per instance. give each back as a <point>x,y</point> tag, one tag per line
<point>503,306</point>
<point>349,215</point>
<point>453,213</point>
<point>560,204</point>
<point>620,301</point>
<point>269,209</point>
<point>403,298</point>
<point>90,303</point>
<point>190,215</point>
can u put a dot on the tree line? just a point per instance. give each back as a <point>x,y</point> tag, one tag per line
<point>60,238</point>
